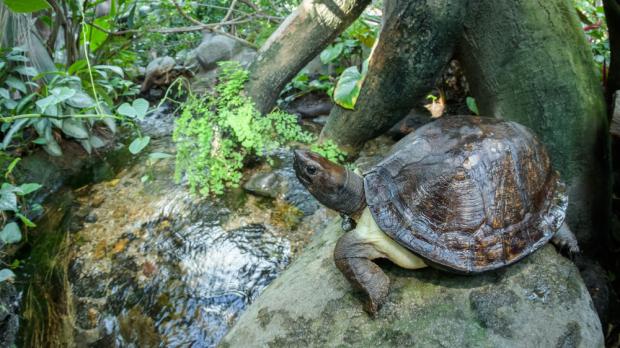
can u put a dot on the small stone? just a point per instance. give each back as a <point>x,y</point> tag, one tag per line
<point>265,184</point>
<point>90,218</point>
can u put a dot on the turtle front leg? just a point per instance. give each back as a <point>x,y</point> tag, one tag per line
<point>355,251</point>
<point>565,239</point>
<point>354,259</point>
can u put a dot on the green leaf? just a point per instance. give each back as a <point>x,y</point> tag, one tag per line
<point>77,66</point>
<point>11,167</point>
<point>4,93</point>
<point>141,106</point>
<point>26,6</point>
<point>348,88</point>
<point>139,144</point>
<point>471,104</point>
<point>6,275</point>
<point>96,142</point>
<point>15,83</point>
<point>63,93</point>
<point>2,65</point>
<point>115,69</point>
<point>25,101</point>
<point>74,128</point>
<point>81,100</point>
<point>95,36</point>
<point>10,233</point>
<point>159,155</point>
<point>27,70</point>
<point>52,147</point>
<point>28,188</point>
<point>8,201</point>
<point>25,220</point>
<point>331,53</point>
<point>138,109</point>
<point>126,110</point>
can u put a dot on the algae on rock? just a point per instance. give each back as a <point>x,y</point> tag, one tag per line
<point>538,302</point>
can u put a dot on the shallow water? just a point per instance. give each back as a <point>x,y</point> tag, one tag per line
<point>144,263</point>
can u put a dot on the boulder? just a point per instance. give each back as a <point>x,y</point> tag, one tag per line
<point>538,302</point>
<point>216,48</point>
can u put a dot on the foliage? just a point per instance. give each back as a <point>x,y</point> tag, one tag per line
<point>344,57</point>
<point>217,133</point>
<point>472,106</point>
<point>14,208</point>
<point>592,17</point>
<point>59,105</point>
<point>330,150</point>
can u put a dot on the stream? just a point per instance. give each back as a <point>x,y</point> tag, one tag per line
<point>124,261</point>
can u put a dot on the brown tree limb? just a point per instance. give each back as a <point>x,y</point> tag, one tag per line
<point>300,38</point>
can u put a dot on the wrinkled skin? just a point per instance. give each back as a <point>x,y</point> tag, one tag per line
<point>329,182</point>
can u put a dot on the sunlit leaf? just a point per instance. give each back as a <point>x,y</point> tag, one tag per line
<point>26,6</point>
<point>28,188</point>
<point>139,144</point>
<point>471,104</point>
<point>348,88</point>
<point>10,233</point>
<point>331,53</point>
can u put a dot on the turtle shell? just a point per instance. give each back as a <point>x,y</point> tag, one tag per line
<point>468,194</point>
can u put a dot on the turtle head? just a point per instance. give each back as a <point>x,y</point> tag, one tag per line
<point>333,185</point>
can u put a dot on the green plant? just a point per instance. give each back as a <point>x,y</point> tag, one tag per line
<point>13,209</point>
<point>217,133</point>
<point>592,16</point>
<point>330,150</point>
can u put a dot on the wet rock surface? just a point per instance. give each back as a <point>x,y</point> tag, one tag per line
<point>9,314</point>
<point>538,302</point>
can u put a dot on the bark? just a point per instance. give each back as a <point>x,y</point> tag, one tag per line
<point>415,44</point>
<point>612,15</point>
<point>300,38</point>
<point>528,61</point>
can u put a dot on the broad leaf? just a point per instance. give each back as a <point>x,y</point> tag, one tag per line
<point>348,88</point>
<point>141,106</point>
<point>116,69</point>
<point>27,70</point>
<point>139,144</point>
<point>6,274</point>
<point>28,188</point>
<point>10,233</point>
<point>52,147</point>
<point>471,104</point>
<point>26,6</point>
<point>74,128</point>
<point>4,93</point>
<point>159,155</point>
<point>331,53</point>
<point>16,84</point>
<point>81,100</point>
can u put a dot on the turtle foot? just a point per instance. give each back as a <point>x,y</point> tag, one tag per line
<point>365,275</point>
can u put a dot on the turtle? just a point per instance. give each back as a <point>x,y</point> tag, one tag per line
<point>463,194</point>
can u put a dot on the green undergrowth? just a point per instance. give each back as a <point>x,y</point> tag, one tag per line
<point>219,132</point>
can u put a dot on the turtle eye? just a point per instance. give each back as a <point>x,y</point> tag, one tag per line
<point>311,170</point>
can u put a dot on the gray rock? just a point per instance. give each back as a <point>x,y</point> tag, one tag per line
<point>268,184</point>
<point>538,302</point>
<point>216,48</point>
<point>9,314</point>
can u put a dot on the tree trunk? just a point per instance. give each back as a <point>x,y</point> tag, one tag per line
<point>612,15</point>
<point>528,61</point>
<point>300,38</point>
<point>415,44</point>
